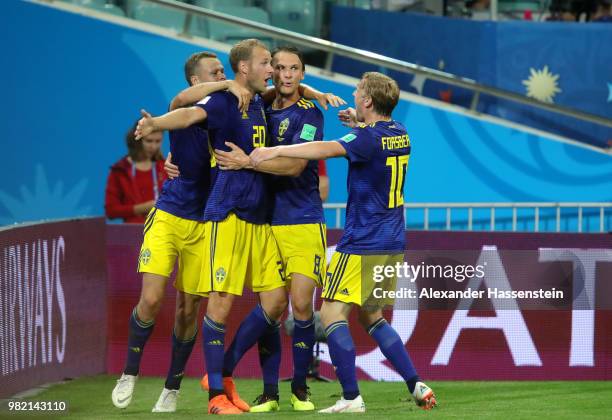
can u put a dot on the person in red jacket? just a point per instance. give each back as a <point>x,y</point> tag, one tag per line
<point>135,181</point>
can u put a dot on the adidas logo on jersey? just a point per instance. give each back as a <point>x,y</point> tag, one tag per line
<point>135,349</point>
<point>301,345</point>
<point>215,343</point>
<point>344,292</point>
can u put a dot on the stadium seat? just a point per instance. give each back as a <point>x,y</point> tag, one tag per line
<point>159,15</point>
<point>199,27</point>
<point>297,16</point>
<point>225,32</point>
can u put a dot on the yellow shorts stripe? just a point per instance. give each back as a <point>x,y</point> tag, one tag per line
<point>213,246</point>
<point>324,244</point>
<point>337,276</point>
<point>151,212</point>
<point>149,221</point>
<point>341,275</point>
<point>332,279</point>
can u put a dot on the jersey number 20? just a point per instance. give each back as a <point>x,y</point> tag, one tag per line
<point>259,136</point>
<point>398,166</point>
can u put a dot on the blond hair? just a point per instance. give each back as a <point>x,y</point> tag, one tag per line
<point>383,90</point>
<point>243,51</point>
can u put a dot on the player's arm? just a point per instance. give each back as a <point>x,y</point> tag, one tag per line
<point>198,92</point>
<point>323,99</point>
<point>311,151</point>
<point>173,120</point>
<point>307,92</point>
<point>236,159</point>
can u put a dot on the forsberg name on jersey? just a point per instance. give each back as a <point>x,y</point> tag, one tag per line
<point>395,142</point>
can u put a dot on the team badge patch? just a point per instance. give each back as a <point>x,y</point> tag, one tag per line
<point>282,128</point>
<point>308,132</point>
<point>145,256</point>
<point>348,138</point>
<point>220,274</point>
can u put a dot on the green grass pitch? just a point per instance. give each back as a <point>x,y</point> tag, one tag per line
<point>89,397</point>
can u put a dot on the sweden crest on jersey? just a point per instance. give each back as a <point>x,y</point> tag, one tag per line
<point>282,129</point>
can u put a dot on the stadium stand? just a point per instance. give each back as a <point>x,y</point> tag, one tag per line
<point>296,16</point>
<point>159,15</point>
<point>220,31</point>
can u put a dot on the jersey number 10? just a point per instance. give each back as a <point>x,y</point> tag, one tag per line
<point>398,166</point>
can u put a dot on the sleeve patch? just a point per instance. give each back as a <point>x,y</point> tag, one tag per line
<point>308,132</point>
<point>348,138</point>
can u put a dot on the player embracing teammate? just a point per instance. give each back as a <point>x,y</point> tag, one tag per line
<point>289,253</point>
<point>173,231</point>
<point>297,225</point>
<point>373,233</point>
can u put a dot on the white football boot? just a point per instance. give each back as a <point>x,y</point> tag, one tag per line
<point>122,394</point>
<point>346,406</point>
<point>167,401</point>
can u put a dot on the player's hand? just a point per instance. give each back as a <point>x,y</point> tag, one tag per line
<point>348,117</point>
<point>145,125</point>
<point>144,208</point>
<point>326,99</point>
<point>233,160</point>
<point>243,94</point>
<point>262,154</point>
<point>171,169</point>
